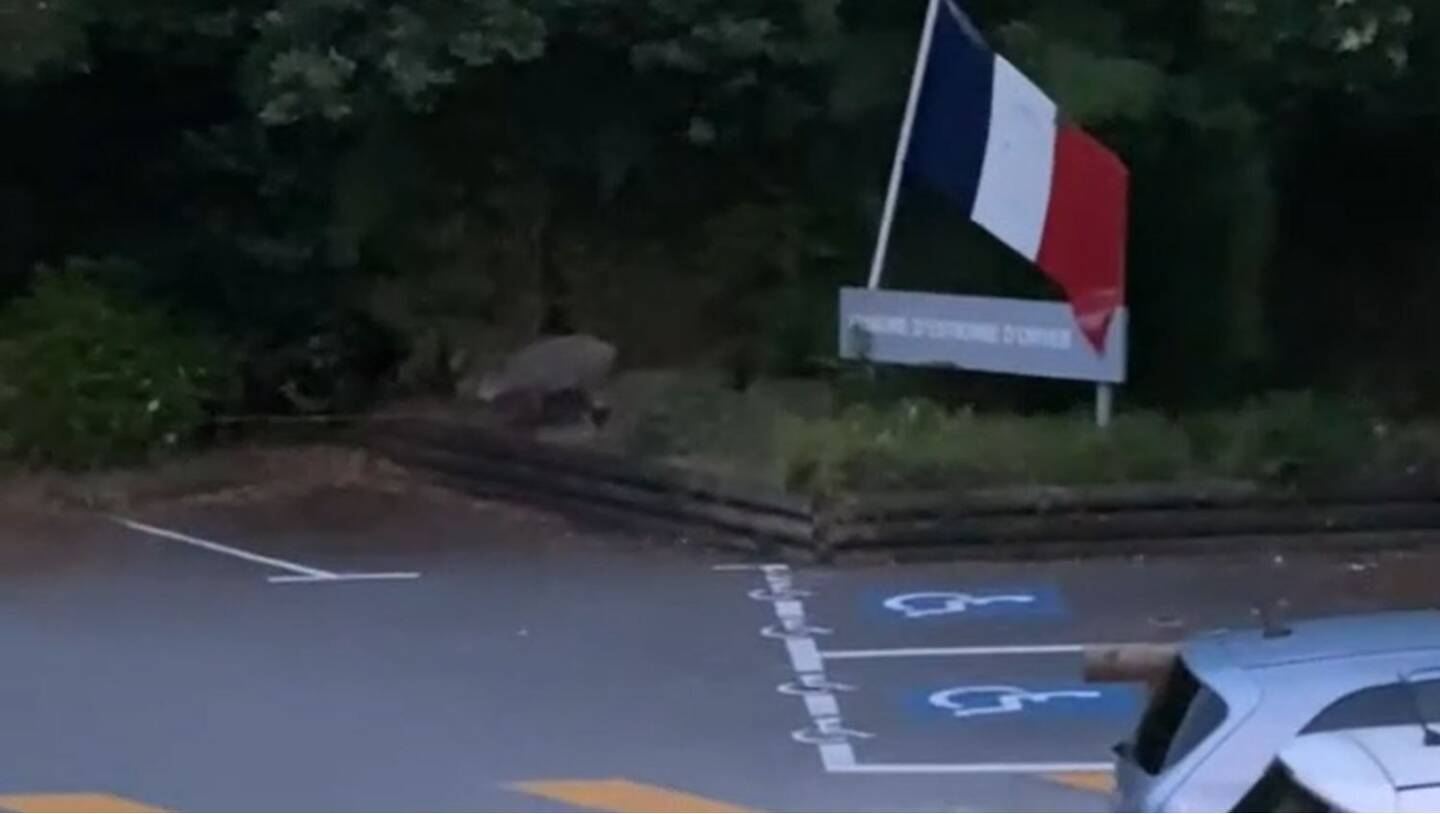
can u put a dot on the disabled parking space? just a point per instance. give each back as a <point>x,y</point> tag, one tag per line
<point>970,711</point>
<point>925,612</point>
<point>1096,601</point>
<point>935,676</point>
<point>968,670</point>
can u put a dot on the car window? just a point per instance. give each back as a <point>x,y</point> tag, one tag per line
<point>1164,717</point>
<point>1397,704</point>
<point>1206,715</point>
<point>1278,791</point>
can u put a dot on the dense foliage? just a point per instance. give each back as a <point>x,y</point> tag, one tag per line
<point>337,185</point>
<point>91,379</point>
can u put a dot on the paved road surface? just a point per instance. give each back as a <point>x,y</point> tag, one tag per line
<point>502,654</point>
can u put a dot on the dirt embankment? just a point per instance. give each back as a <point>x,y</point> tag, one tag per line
<point>235,474</point>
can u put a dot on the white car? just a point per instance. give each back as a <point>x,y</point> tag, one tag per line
<point>1385,768</point>
<point>1234,700</point>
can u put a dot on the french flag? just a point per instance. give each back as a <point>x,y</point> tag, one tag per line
<point>992,141</point>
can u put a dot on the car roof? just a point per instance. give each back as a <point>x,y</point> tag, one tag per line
<point>1371,769</point>
<point>1341,637</point>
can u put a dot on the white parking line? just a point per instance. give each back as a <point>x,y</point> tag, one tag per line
<point>382,577</point>
<point>298,573</point>
<point>827,731</point>
<point>218,548</point>
<point>973,768</point>
<point>838,757</point>
<point>924,652</point>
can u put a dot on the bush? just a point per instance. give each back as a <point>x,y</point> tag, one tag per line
<point>1289,437</point>
<point>87,379</point>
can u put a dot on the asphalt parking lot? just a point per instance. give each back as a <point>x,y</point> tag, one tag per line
<point>359,649</point>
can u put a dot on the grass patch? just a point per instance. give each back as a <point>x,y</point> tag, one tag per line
<point>918,445</point>
<point>805,445</point>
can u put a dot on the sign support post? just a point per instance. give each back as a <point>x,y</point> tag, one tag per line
<point>1104,405</point>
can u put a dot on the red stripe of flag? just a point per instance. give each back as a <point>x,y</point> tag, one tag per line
<point>1083,248</point>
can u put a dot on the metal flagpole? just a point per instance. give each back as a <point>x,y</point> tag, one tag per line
<point>897,171</point>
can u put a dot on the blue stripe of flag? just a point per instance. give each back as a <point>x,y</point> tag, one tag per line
<point>952,118</point>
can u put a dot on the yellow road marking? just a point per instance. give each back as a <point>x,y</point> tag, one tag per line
<point>1098,782</point>
<point>621,796</point>
<point>46,803</point>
